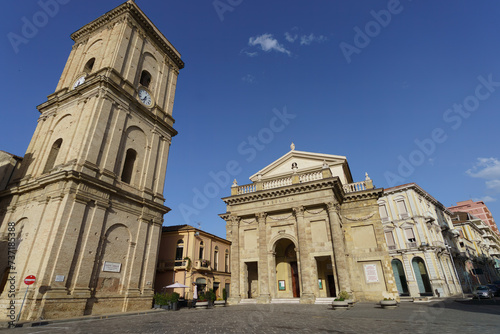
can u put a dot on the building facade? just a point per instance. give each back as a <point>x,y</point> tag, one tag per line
<point>413,221</point>
<point>83,210</point>
<point>303,230</point>
<point>477,251</point>
<point>479,210</point>
<point>189,255</point>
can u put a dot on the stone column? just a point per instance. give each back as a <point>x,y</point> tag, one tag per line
<point>235,297</point>
<point>306,267</point>
<point>338,246</point>
<point>264,297</point>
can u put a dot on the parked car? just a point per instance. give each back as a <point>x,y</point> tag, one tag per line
<point>495,289</point>
<point>482,291</point>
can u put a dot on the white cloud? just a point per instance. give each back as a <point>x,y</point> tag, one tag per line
<point>248,78</point>
<point>268,43</point>
<point>291,38</point>
<point>494,185</point>
<point>251,54</point>
<point>485,168</point>
<point>484,199</point>
<point>308,39</point>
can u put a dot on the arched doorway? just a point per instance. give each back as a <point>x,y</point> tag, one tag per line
<point>422,277</point>
<point>400,277</point>
<point>287,273</point>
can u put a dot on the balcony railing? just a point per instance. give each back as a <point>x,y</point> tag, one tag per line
<point>411,245</point>
<point>392,247</point>
<point>202,265</point>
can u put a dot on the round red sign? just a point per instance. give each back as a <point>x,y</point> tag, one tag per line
<point>29,280</point>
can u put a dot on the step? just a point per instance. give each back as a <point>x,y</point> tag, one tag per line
<point>248,301</point>
<point>285,301</point>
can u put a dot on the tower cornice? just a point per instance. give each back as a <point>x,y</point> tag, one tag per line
<point>133,11</point>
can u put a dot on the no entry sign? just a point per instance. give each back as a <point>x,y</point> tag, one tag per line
<point>29,280</point>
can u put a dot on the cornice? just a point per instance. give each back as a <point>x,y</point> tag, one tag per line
<point>294,189</point>
<point>138,15</point>
<point>364,194</point>
<point>78,177</point>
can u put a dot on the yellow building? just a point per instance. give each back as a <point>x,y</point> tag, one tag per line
<point>413,221</point>
<point>189,255</point>
<point>477,250</point>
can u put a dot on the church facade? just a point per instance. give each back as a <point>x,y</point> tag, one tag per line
<point>303,230</point>
<point>83,210</point>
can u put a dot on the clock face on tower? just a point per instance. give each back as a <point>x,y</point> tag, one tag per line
<point>145,97</point>
<point>79,81</point>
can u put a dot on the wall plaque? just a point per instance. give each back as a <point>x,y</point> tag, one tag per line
<point>112,267</point>
<point>59,278</point>
<point>371,274</point>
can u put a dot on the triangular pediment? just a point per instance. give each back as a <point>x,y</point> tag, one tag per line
<point>306,162</point>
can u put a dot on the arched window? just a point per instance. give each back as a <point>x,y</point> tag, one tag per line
<point>89,65</point>
<point>145,79</point>
<point>201,250</point>
<point>216,258</point>
<point>226,261</point>
<point>179,252</point>
<point>128,166</point>
<point>54,151</point>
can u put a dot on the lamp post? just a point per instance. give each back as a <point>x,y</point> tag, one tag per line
<point>448,247</point>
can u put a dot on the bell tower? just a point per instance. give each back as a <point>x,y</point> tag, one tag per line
<point>86,204</point>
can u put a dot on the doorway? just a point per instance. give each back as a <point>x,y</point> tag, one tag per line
<point>253,280</point>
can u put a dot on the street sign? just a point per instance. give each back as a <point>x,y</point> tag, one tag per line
<point>29,280</point>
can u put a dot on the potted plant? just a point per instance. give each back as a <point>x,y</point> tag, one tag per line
<point>174,301</point>
<point>219,302</point>
<point>341,301</point>
<point>202,301</point>
<point>158,299</point>
<point>388,303</point>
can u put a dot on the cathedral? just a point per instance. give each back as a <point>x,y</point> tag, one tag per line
<point>303,231</point>
<point>82,210</point>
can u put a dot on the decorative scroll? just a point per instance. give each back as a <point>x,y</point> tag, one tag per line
<point>315,212</point>
<point>281,218</point>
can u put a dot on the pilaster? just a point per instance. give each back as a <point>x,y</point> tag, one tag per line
<point>235,297</point>
<point>264,297</point>
<point>306,268</point>
<point>338,246</point>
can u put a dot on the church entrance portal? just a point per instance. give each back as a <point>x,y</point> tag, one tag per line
<point>287,271</point>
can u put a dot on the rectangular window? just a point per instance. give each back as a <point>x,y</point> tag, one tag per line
<point>389,237</point>
<point>216,260</point>
<point>383,213</point>
<point>403,212</point>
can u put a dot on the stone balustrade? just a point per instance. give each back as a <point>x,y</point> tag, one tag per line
<point>286,181</point>
<point>297,178</point>
<point>353,187</point>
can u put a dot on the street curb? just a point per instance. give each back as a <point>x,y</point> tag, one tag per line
<point>5,325</point>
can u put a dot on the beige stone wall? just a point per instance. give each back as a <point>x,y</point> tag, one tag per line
<point>72,209</point>
<point>341,237</point>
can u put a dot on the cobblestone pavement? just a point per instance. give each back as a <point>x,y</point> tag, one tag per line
<point>479,317</point>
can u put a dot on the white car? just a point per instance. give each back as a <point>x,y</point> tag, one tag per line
<point>482,291</point>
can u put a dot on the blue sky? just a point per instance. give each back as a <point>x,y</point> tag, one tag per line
<point>408,91</point>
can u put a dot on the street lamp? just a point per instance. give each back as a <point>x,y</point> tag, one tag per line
<point>448,247</point>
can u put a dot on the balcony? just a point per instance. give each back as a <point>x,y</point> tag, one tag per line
<point>164,265</point>
<point>202,265</point>
<point>439,244</point>
<point>411,244</point>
